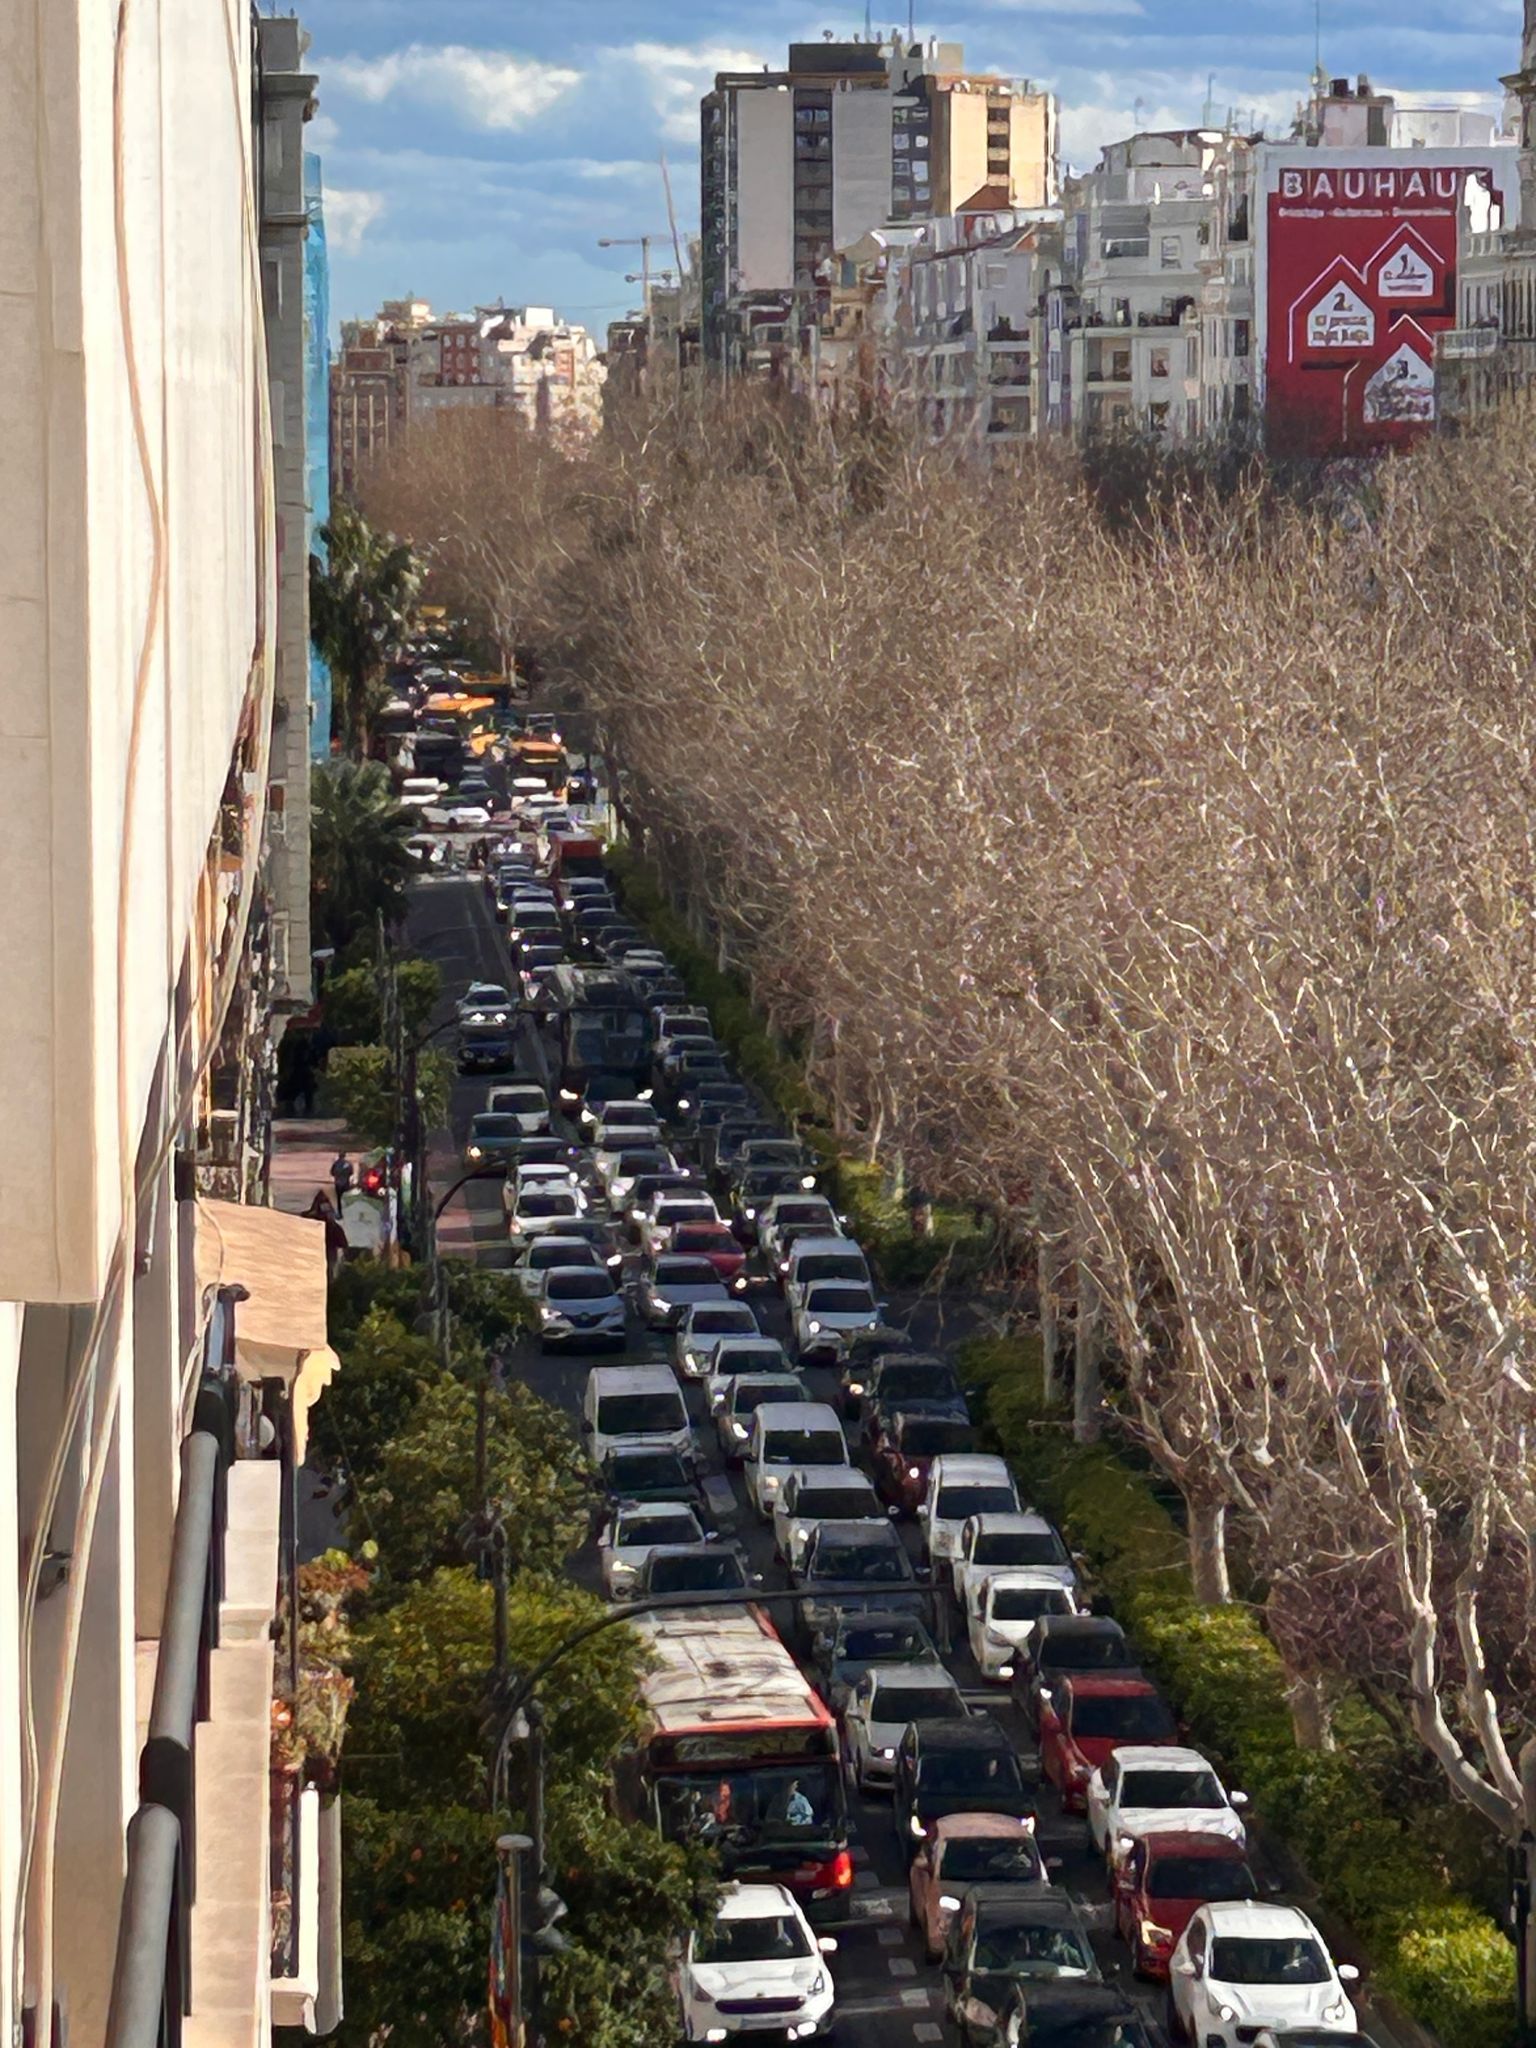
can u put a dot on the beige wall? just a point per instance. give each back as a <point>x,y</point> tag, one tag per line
<point>765,190</point>
<point>1032,149</point>
<point>961,138</point>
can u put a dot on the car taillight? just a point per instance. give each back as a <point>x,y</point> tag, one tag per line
<point>835,1875</point>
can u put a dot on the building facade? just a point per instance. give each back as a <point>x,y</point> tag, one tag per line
<point>158,1346</point>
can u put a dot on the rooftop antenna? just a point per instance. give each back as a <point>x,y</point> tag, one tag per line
<point>1317,35</point>
<point>1208,112</point>
<point>911,21</point>
<point>869,26</point>
<point>1136,109</point>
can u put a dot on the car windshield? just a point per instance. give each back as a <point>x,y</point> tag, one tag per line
<point>1245,1959</point>
<point>1019,1546</point>
<point>767,1358</point>
<point>522,1099</point>
<point>840,1301</point>
<point>900,1383</point>
<point>835,1503</point>
<point>1086,2030</point>
<point>776,1940</point>
<point>536,1202</point>
<point>696,1236</point>
<point>1108,1651</point>
<point>992,1859</point>
<point>831,1266</point>
<point>804,1447</point>
<point>959,1503</point>
<point>704,1571</point>
<point>1020,1948</point>
<point>782,1387</point>
<point>740,1806</point>
<point>636,1414</point>
<point>1134,1718</point>
<point>802,1212</point>
<point>556,1251</point>
<point>1200,1877</point>
<point>918,1703</point>
<point>969,1773</point>
<point>641,1471</point>
<point>1170,1788</point>
<point>685,1273</point>
<point>870,1564</point>
<point>721,1321</point>
<point>641,1159</point>
<point>885,1642</point>
<point>641,1531</point>
<point>685,1212</point>
<point>578,1286</point>
<point>925,1437</point>
<point>1028,1603</point>
<point>495,1126</point>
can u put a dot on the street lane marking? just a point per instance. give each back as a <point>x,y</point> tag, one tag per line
<point>925,2030</point>
<point>902,1966</point>
<point>916,1998</point>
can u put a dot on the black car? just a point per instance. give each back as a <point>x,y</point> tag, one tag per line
<point>487,1048</point>
<point>860,1357</point>
<point>1063,1643</point>
<point>956,1767</point>
<point>691,1568</point>
<point>1005,1939</point>
<point>1041,2014</point>
<point>917,1383</point>
<point>643,1473</point>
<point>860,1639</point>
<point>866,1556</point>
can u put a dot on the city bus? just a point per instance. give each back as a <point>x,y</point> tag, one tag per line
<point>602,1025</point>
<point>740,1753</point>
<point>544,758</point>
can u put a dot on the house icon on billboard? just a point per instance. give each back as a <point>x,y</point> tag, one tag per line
<point>1405,269</point>
<point>1334,314</point>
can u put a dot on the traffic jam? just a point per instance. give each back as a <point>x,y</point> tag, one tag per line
<point>945,1802</point>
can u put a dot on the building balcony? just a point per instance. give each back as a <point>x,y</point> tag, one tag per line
<point>1014,371</point>
<point>1464,344</point>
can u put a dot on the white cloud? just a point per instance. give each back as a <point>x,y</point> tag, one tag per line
<point>349,216</point>
<point>488,88</point>
<point>678,75</point>
<point>1101,7</point>
<point>320,132</point>
<point>597,169</point>
<point>1122,105</point>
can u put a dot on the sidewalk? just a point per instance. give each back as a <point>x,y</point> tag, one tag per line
<point>302,1150</point>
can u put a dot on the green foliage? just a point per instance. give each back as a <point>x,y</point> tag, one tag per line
<point>363,1285</point>
<point>1445,1961</point>
<point>490,1305</point>
<point>422,1488</point>
<point>361,1088</point>
<point>359,861</point>
<point>352,1000</point>
<point>422,1667</point>
<point>384,1367</point>
<point>360,602</point>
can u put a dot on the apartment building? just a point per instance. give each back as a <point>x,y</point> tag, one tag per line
<point>162,1870</point>
<point>368,389</point>
<point>848,137</point>
<point>525,358</point>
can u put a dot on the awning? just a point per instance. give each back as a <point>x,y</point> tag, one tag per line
<point>280,1329</point>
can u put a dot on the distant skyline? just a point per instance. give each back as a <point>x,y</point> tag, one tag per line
<point>466,161</point>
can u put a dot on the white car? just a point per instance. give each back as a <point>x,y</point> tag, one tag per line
<point>961,1484</point>
<point>1241,1965</point>
<point>1001,1610</point>
<point>831,1313</point>
<point>525,1100</point>
<point>736,1355</point>
<point>787,1437</point>
<point>735,1401</point>
<point>637,1528</point>
<point>804,1212</point>
<point>759,1966</point>
<point>702,1330</point>
<point>820,1493</point>
<point>883,1706</point>
<point>1152,1791</point>
<point>417,791</point>
<point>667,1211</point>
<point>486,1002</point>
<point>548,1174</point>
<point>812,1259</point>
<point>538,1212</point>
<point>1021,1542</point>
<point>540,1255</point>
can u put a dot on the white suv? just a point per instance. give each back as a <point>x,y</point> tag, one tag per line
<point>961,1484</point>
<point>1241,1966</point>
<point>758,1966</point>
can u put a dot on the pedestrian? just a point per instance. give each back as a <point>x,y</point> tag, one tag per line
<point>341,1175</point>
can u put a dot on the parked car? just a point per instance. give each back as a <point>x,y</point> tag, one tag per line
<point>633,1531</point>
<point>968,1852</point>
<point>669,1285</point>
<point>581,1305</point>
<point>758,1965</point>
<point>1083,1720</point>
<point>956,1767</point>
<point>737,1401</point>
<point>886,1701</point>
<point>1148,1789</point>
<point>700,1332</point>
<point>1002,1613</point>
<point>904,1446</point>
<point>819,1493</point>
<point>1160,1884</point>
<point>1001,1939</point>
<point>1240,1964</point>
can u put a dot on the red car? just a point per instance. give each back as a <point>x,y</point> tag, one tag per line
<point>715,1242</point>
<point>1083,1721</point>
<point>904,1443</point>
<point>1163,1882</point>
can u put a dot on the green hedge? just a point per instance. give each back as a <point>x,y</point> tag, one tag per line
<point>880,1223</point>
<point>1441,1958</point>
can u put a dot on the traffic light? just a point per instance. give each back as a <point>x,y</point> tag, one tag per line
<point>371,1180</point>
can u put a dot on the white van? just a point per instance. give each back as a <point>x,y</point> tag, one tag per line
<point>634,1405</point>
<point>786,1434</point>
<point>962,1484</point>
<point>823,1258</point>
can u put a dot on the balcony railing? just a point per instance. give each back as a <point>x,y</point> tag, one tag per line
<point>1462,344</point>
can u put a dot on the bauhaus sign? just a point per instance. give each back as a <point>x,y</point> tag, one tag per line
<point>1360,276</point>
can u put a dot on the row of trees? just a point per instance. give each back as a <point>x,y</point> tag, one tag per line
<point>431,1452</point>
<point>1159,873</point>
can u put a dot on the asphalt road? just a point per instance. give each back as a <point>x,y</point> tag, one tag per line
<point>887,1994</point>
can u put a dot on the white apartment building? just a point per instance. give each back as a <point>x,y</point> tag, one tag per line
<point>157,1349</point>
<point>522,357</point>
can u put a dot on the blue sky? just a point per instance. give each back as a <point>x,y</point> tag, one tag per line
<point>476,150</point>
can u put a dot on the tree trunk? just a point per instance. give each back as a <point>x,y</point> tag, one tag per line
<point>1086,1418</point>
<point>1208,1552</point>
<point>1045,1283</point>
<point>1311,1713</point>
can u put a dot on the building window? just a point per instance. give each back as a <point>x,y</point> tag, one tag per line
<point>1120,365</point>
<point>1159,362</point>
<point>1240,337</point>
<point>901,141</point>
<point>1171,255</point>
<point>920,140</point>
<point>1158,416</point>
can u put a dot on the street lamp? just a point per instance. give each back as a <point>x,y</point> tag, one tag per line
<point>643,244</point>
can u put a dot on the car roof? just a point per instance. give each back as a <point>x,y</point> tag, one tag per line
<point>652,1510</point>
<point>859,1532</point>
<point>997,1900</point>
<point>554,1273</point>
<point>800,1415</point>
<point>1027,1523</point>
<point>979,1732</point>
<point>1038,1578</point>
<point>1185,1842</point>
<point>763,1377</point>
<point>814,1246</point>
<point>634,1379</point>
<point>1258,1918</point>
<point>830,1475</point>
<point>952,1465</point>
<point>1050,2005</point>
<point>743,1336</point>
<point>733,1342</point>
<point>1138,1755</point>
<point>914,1673</point>
<point>753,1902</point>
<point>978,1826</point>
<point>1080,1627</point>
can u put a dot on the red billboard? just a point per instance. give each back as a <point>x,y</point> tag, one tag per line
<point>1359,277</point>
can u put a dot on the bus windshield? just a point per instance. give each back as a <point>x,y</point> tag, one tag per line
<point>742,1805</point>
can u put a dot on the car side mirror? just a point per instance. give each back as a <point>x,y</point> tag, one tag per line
<point>1238,1798</point>
<point>893,1511</point>
<point>827,1943</point>
<point>1348,1974</point>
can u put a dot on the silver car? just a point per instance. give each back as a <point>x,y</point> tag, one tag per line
<point>635,1530</point>
<point>735,1355</point>
<point>674,1283</point>
<point>541,1255</point>
<point>582,1305</point>
<point>883,1706</point>
<point>701,1331</point>
<point>731,1408</point>
<point>831,1312</point>
<point>820,1493</point>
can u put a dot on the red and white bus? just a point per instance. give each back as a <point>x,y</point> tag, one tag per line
<point>741,1754</point>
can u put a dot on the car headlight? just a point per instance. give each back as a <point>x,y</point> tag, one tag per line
<point>802,1535</point>
<point>1335,2011</point>
<point>549,1314</point>
<point>750,1214</point>
<point>739,1429</point>
<point>913,1472</point>
<point>888,1754</point>
<point>1005,1671</point>
<point>475,1152</point>
<point>917,1826</point>
<point>661,1301</point>
<point>637,1215</point>
<point>616,1258</point>
<point>740,1283</point>
<point>855,1387</point>
<point>807,1180</point>
<point>569,1095</point>
<point>644,1095</point>
<point>814,1328</point>
<point>684,1103</point>
<point>818,1985</point>
<point>500,1017</point>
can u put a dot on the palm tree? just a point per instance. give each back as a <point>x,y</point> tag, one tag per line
<point>359,861</point>
<point>360,600</point>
